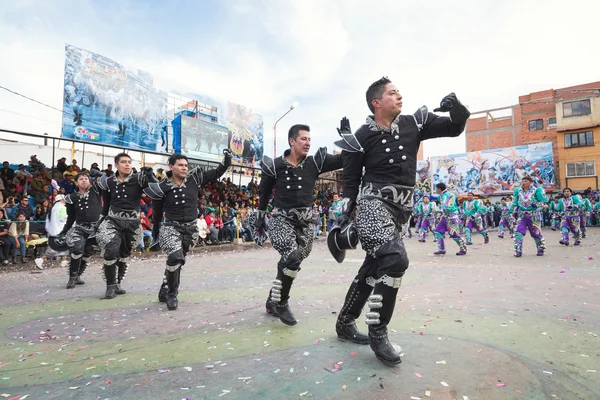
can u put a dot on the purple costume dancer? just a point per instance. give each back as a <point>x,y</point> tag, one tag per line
<point>475,212</point>
<point>570,206</point>
<point>426,210</point>
<point>449,221</point>
<point>506,219</point>
<point>528,216</point>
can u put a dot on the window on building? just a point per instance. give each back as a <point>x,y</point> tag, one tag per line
<point>536,125</point>
<point>577,108</point>
<point>577,169</point>
<point>580,139</point>
<point>552,121</point>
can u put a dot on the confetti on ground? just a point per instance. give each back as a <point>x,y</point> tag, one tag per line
<point>418,375</point>
<point>441,362</point>
<point>427,393</point>
<point>74,387</point>
<point>414,398</point>
<point>306,353</point>
<point>465,398</point>
<point>276,371</point>
<point>502,384</point>
<point>344,387</point>
<point>444,384</point>
<point>303,394</point>
<point>547,372</point>
<point>590,370</point>
<point>518,391</point>
<point>188,369</point>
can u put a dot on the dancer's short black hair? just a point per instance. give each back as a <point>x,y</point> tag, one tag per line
<point>470,193</point>
<point>375,91</point>
<point>175,157</point>
<point>441,186</point>
<point>295,131</point>
<point>121,155</point>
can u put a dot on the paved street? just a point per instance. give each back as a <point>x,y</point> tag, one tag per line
<point>484,326</point>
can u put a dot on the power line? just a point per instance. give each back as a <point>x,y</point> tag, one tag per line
<point>70,114</point>
<point>25,115</point>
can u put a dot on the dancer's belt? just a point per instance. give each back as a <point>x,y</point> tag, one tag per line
<point>182,224</point>
<point>302,214</point>
<point>527,212</point>
<point>129,215</point>
<point>398,195</point>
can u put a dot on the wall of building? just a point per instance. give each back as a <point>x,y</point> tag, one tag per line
<point>578,154</point>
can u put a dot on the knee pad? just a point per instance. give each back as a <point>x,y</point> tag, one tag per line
<point>111,253</point>
<point>392,259</point>
<point>176,259</point>
<point>291,265</point>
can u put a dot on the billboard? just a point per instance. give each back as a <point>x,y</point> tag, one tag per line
<point>244,129</point>
<point>423,181</point>
<point>107,103</point>
<point>202,139</point>
<point>496,171</point>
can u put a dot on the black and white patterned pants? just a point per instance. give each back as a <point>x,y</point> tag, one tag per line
<point>117,237</point>
<point>291,234</point>
<point>377,225</point>
<point>79,242</point>
<point>176,240</point>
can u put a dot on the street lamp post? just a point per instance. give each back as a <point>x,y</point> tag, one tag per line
<point>294,105</point>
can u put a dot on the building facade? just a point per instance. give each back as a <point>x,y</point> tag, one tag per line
<point>567,117</point>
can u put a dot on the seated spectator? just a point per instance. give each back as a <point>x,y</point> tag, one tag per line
<point>214,231</point>
<point>21,183</point>
<point>7,174</point>
<point>203,230</point>
<point>43,195</point>
<point>35,164</point>
<point>4,241</point>
<point>146,230</point>
<point>67,184</point>
<point>61,165</point>
<point>18,234</point>
<point>95,172</point>
<point>70,171</point>
<point>23,208</point>
<point>75,166</point>
<point>21,172</point>
<point>41,210</point>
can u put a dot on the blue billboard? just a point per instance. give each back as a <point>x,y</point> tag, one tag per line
<point>107,103</point>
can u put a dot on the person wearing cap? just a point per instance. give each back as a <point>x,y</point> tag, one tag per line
<point>290,227</point>
<point>385,147</point>
<point>83,209</point>
<point>61,166</point>
<point>527,202</point>
<point>120,231</point>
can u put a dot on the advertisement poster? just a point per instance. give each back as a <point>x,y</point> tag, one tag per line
<point>107,103</point>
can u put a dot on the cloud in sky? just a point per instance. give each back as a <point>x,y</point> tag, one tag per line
<point>267,54</point>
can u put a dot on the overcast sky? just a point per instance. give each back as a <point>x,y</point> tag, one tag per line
<point>323,54</point>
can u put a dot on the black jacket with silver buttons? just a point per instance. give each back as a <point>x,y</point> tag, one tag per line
<point>122,196</point>
<point>389,155</point>
<point>83,208</point>
<point>294,184</point>
<point>180,202</point>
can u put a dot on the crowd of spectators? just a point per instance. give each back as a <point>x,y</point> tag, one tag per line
<point>28,192</point>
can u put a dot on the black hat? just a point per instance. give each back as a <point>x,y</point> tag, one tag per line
<point>341,239</point>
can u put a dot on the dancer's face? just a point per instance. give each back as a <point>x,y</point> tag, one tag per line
<point>124,166</point>
<point>301,145</point>
<point>83,182</point>
<point>567,193</point>
<point>390,102</point>
<point>180,168</point>
<point>525,183</point>
<point>470,196</point>
<point>425,200</point>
